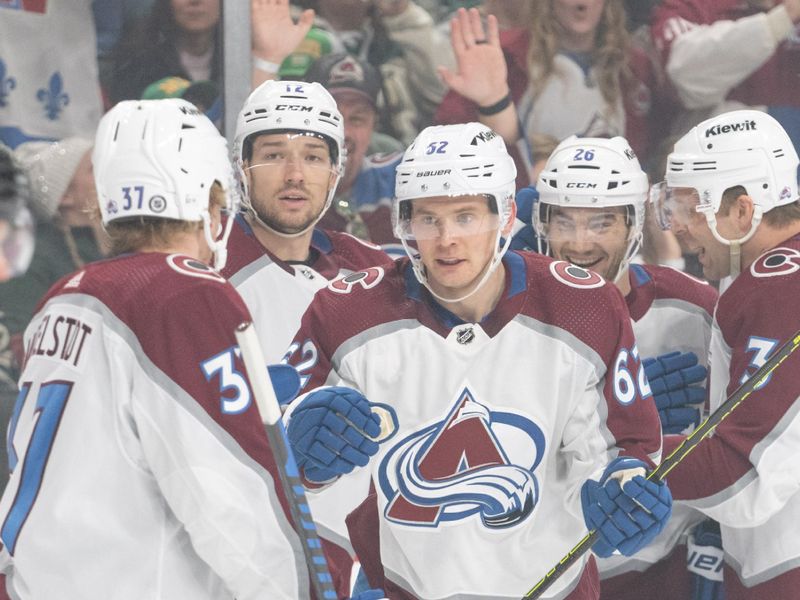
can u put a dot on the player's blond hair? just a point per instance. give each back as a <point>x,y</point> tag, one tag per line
<point>149,232</point>
<point>609,57</point>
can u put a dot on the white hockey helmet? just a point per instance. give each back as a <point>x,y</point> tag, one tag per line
<point>454,160</point>
<point>159,159</point>
<point>289,106</point>
<point>746,148</point>
<point>593,173</point>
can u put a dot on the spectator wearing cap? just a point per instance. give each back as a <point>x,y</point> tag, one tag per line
<point>362,205</point>
<point>63,199</point>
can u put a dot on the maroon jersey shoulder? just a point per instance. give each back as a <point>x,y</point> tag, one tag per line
<point>575,300</point>
<point>354,254</point>
<point>761,298</point>
<point>357,302</point>
<point>244,249</point>
<point>154,292</point>
<point>655,282</point>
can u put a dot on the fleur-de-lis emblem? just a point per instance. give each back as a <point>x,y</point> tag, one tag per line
<point>53,98</point>
<point>6,84</point>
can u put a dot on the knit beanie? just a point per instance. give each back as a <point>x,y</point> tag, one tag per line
<point>51,167</point>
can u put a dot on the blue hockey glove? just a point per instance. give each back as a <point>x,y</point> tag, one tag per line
<point>373,594</point>
<point>674,380</point>
<point>629,516</point>
<point>330,433</point>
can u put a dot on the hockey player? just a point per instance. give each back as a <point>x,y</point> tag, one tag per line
<point>591,210</point>
<point>495,397</point>
<point>731,195</point>
<point>289,151</point>
<point>140,467</point>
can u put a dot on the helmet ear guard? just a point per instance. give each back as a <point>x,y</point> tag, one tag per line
<point>593,173</point>
<point>159,159</point>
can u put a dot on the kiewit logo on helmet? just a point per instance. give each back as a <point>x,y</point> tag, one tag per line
<point>720,129</point>
<point>433,173</point>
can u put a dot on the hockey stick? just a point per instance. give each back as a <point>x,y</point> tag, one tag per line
<point>270,411</point>
<point>677,455</point>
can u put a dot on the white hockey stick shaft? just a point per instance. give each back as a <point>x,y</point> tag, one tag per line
<point>270,410</point>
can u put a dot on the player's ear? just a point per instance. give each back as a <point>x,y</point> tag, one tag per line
<point>742,212</point>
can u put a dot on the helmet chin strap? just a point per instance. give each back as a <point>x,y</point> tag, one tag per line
<point>735,246</point>
<point>217,244</point>
<point>497,257</point>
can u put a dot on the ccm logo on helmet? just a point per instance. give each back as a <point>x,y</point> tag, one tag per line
<point>581,185</point>
<point>294,107</point>
<point>433,173</point>
<point>719,129</point>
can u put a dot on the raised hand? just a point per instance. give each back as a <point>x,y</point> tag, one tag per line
<point>275,34</point>
<point>482,71</point>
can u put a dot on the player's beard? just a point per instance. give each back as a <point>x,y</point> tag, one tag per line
<point>290,225</point>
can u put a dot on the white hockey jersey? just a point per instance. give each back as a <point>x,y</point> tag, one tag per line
<point>277,293</point>
<point>140,466</point>
<point>497,424</point>
<point>746,475</point>
<point>670,311</point>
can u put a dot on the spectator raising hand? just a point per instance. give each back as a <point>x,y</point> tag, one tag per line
<point>481,71</point>
<point>275,36</point>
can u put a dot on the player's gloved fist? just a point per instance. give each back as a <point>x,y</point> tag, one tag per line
<point>674,380</point>
<point>626,512</point>
<point>330,432</point>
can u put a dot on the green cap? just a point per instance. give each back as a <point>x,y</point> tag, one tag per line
<point>316,43</point>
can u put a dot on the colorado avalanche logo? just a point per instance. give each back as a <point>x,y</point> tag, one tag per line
<point>367,279</point>
<point>459,467</point>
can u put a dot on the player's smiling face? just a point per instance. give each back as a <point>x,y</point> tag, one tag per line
<point>456,238</point>
<point>592,238</point>
<point>289,175</point>
<point>693,232</point>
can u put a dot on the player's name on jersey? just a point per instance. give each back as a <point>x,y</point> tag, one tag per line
<point>59,337</point>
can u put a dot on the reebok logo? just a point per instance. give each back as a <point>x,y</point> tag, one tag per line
<point>433,173</point>
<point>720,129</point>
